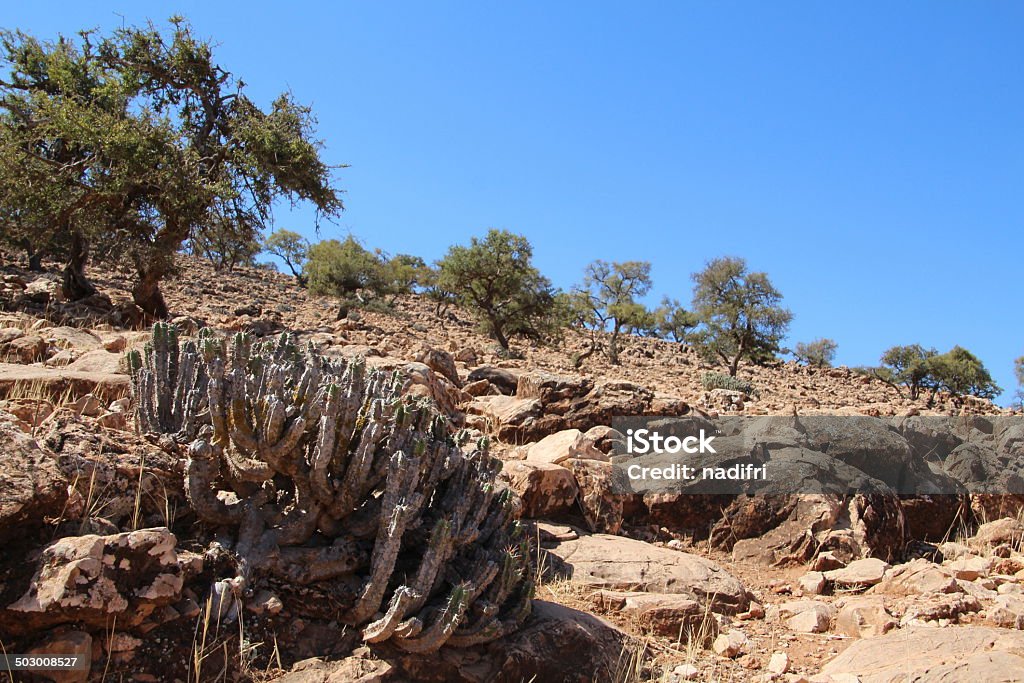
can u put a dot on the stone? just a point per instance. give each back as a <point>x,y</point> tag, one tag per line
<point>32,487</point>
<point>92,579</point>
<point>933,654</point>
<point>605,439</point>
<point>917,577</point>
<point>826,561</point>
<point>732,644</point>
<point>618,563</point>
<point>686,672</point>
<point>1008,612</point>
<point>56,382</point>
<point>546,490</point>
<point>98,360</point>
<point>116,344</point>
<point>812,583</point>
<point>505,380</point>
<point>1007,530</point>
<point>864,617</point>
<point>598,498</point>
<point>26,349</point>
<point>88,405</point>
<point>803,616</point>
<point>778,664</point>
<point>508,418</point>
<point>442,363</point>
<point>969,568</point>
<point>551,388</point>
<point>72,642</point>
<point>669,614</point>
<point>561,446</point>
<point>72,338</point>
<point>864,572</point>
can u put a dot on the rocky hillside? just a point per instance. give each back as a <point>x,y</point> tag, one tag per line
<point>110,554</point>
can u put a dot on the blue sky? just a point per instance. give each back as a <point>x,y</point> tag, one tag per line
<point>868,156</point>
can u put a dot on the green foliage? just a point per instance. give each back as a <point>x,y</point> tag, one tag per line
<point>908,366</point>
<point>406,274</point>
<point>225,245</point>
<point>494,278</point>
<point>607,300</point>
<point>344,268</point>
<point>958,372</point>
<point>740,313</point>
<point>290,247</point>
<point>819,353</point>
<point>961,373</point>
<point>718,380</point>
<point>133,143</point>
<point>673,321</point>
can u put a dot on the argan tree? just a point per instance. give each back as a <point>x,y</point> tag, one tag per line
<point>494,278</point>
<point>610,291</point>
<point>907,366</point>
<point>960,373</point>
<point>135,142</point>
<point>290,247</point>
<point>740,312</point>
<point>818,353</point>
<point>345,269</point>
<point>673,321</point>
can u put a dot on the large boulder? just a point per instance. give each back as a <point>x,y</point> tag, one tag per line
<point>618,563</point>
<point>95,579</point>
<point>56,382</point>
<point>547,491</point>
<point>971,653</point>
<point>32,487</point>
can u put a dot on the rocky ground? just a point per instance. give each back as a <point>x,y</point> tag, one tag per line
<point>103,556</point>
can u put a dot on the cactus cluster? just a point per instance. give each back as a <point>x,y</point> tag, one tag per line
<point>326,473</point>
<point>718,380</point>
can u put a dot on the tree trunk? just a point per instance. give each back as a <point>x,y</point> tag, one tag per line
<point>76,285</point>
<point>35,261</point>
<point>147,295</point>
<point>734,365</point>
<point>613,346</point>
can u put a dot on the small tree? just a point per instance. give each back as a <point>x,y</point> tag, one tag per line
<point>344,269</point>
<point>961,373</point>
<point>290,247</point>
<point>404,274</point>
<point>907,366</point>
<point>740,312</point>
<point>610,291</point>
<point>673,321</point>
<point>819,353</point>
<point>496,280</point>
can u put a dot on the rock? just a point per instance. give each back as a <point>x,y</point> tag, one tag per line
<point>917,577</point>
<point>9,334</point>
<point>551,388</point>
<point>477,388</point>
<point>732,644</point>
<point>619,563</point>
<point>605,439</point>
<point>508,418</point>
<point>686,672</point>
<point>864,617</point>
<point>72,338</point>
<point>866,572</point>
<point>939,607</point>
<point>778,664</point>
<point>442,363</point>
<point>56,382</point>
<point>561,446</point>
<point>602,506</point>
<point>1008,611</point>
<point>422,381</point>
<point>826,561</point>
<point>969,568</point>
<point>115,344</point>
<point>76,643</point>
<point>32,487</point>
<point>546,490</point>
<point>93,579</point>
<point>26,349</point>
<point>505,380</point>
<point>98,360</point>
<point>1007,530</point>
<point>803,616</point>
<point>934,517</point>
<point>668,614</point>
<point>928,654</point>
<point>812,583</point>
<point>88,405</point>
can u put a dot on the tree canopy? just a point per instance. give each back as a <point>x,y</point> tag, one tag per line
<point>740,312</point>
<point>134,142</point>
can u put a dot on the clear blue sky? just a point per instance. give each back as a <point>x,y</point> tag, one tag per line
<point>868,156</point>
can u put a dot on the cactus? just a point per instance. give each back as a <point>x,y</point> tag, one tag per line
<point>168,385</point>
<point>324,472</point>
